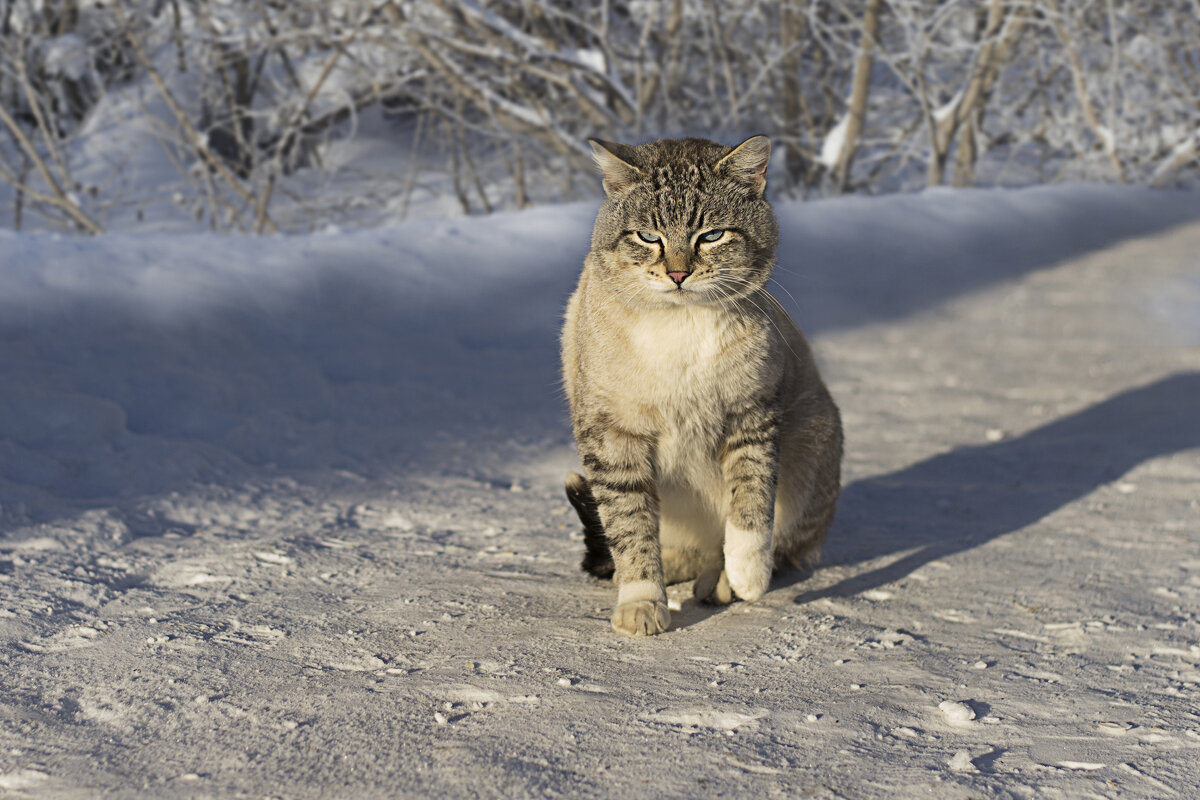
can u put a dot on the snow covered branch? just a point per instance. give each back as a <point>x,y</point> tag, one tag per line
<point>278,116</point>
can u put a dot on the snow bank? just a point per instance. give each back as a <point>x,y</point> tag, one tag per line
<point>138,362</point>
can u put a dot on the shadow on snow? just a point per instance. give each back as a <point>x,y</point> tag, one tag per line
<point>967,497</point>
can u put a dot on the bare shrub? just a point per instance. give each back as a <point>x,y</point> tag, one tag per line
<point>494,99</point>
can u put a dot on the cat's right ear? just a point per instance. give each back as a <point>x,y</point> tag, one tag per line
<point>611,160</point>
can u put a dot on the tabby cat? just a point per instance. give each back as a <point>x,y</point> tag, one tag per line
<point>710,445</point>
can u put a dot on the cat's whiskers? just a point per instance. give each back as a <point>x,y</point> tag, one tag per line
<point>749,297</point>
<point>791,296</point>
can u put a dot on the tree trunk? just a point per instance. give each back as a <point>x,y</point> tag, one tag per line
<point>964,160</point>
<point>970,99</point>
<point>1081,90</point>
<point>791,34</point>
<point>858,96</point>
<point>968,150</point>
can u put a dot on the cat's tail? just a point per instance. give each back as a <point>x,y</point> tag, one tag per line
<point>597,558</point>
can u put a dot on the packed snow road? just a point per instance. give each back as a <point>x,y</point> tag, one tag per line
<point>283,517</point>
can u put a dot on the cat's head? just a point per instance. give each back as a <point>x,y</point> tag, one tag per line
<point>684,221</point>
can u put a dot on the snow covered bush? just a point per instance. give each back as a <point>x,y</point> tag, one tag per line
<point>268,115</point>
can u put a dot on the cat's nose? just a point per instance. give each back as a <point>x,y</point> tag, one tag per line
<point>678,276</point>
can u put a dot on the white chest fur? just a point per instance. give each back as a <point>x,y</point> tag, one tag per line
<point>685,368</point>
<point>682,347</point>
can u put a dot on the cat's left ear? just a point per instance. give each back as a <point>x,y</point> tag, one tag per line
<point>747,163</point>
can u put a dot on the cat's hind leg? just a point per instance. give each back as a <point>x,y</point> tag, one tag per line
<point>804,510</point>
<point>712,586</point>
<point>690,531</point>
<point>800,543</point>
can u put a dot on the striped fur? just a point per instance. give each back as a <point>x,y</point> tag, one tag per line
<point>711,449</point>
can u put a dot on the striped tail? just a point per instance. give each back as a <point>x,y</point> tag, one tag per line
<point>597,558</point>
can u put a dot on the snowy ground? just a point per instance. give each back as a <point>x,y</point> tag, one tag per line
<point>283,517</point>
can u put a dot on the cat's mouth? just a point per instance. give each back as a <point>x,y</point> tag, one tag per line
<point>674,288</point>
<point>687,291</point>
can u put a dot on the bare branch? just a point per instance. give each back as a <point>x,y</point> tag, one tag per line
<point>59,198</point>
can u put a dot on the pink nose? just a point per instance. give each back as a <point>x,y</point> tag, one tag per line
<point>678,276</point>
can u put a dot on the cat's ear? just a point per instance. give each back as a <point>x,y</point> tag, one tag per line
<point>612,159</point>
<point>747,163</point>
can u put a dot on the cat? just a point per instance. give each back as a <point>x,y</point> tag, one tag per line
<point>710,446</point>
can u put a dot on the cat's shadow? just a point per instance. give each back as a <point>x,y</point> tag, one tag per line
<point>961,499</point>
<point>692,612</point>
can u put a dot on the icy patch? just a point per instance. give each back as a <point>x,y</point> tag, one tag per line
<point>709,718</point>
<point>190,575</point>
<point>466,693</point>
<point>356,662</point>
<point>271,557</point>
<point>22,779</point>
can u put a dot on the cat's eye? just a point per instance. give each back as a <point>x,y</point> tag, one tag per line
<point>712,236</point>
<point>649,238</point>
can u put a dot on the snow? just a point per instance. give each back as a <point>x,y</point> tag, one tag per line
<point>943,111</point>
<point>66,55</point>
<point>284,516</point>
<point>592,59</point>
<point>958,713</point>
<point>961,762</point>
<point>835,140</point>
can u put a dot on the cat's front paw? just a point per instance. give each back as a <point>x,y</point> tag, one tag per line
<point>748,561</point>
<point>748,577</point>
<point>641,618</point>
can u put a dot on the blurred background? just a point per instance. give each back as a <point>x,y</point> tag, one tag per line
<point>264,116</point>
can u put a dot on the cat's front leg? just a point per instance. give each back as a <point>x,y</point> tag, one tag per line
<point>620,471</point>
<point>750,463</point>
